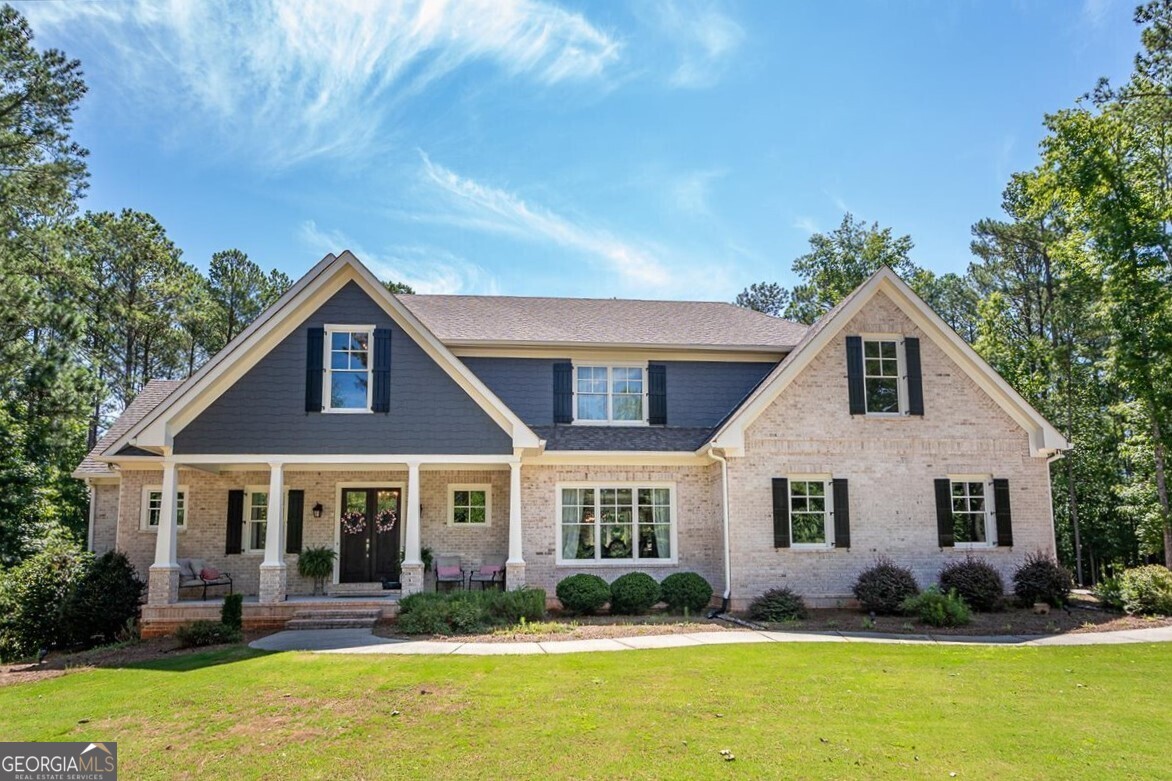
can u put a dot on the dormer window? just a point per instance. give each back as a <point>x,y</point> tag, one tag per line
<point>347,382</point>
<point>615,394</point>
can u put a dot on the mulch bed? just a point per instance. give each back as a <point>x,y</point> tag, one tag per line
<point>577,628</point>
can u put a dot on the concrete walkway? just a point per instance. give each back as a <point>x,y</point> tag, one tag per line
<point>363,641</point>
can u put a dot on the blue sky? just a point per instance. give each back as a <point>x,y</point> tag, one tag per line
<point>651,149</point>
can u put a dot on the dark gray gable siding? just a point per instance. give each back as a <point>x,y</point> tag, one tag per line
<point>702,393</point>
<point>525,385</point>
<point>264,412</point>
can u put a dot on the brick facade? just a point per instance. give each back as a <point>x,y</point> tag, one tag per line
<point>890,464</point>
<point>105,518</point>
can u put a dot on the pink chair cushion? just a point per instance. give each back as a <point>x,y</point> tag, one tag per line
<point>209,573</point>
<point>448,572</point>
<point>490,569</point>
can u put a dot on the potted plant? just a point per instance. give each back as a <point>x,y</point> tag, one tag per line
<point>317,563</point>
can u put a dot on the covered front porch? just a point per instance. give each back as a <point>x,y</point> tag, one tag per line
<point>251,516</point>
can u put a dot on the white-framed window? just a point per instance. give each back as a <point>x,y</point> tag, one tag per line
<point>621,523</point>
<point>152,507</point>
<point>883,375</point>
<point>974,523</point>
<point>470,505</point>
<point>256,519</point>
<point>811,511</point>
<point>610,393</point>
<point>347,381</point>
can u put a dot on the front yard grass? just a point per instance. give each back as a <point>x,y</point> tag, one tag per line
<point>782,710</point>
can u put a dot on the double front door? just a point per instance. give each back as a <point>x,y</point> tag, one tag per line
<point>369,533</point>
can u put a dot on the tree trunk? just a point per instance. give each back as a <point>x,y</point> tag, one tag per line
<point>1162,489</point>
<point>1072,499</point>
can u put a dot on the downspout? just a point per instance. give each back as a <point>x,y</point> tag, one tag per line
<point>727,552</point>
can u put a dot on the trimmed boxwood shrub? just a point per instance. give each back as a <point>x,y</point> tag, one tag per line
<point>32,595</point>
<point>232,613</point>
<point>200,633</point>
<point>936,608</point>
<point>633,593</point>
<point>582,593</point>
<point>977,583</point>
<point>1041,579</point>
<point>469,611</point>
<point>778,604</point>
<point>1147,590</point>
<point>686,591</point>
<point>882,587</point>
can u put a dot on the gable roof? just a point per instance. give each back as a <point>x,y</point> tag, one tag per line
<point>147,399</point>
<point>492,320</point>
<point>155,429</point>
<point>1045,440</point>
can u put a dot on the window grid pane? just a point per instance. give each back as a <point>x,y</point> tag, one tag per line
<point>609,393</point>
<point>881,375</point>
<point>469,506</point>
<point>808,512</point>
<point>349,369</point>
<point>969,512</point>
<point>616,523</point>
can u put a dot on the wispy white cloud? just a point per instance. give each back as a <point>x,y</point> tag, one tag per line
<point>291,81</point>
<point>425,269</point>
<point>705,37</point>
<point>689,193</point>
<point>489,208</point>
<point>806,224</point>
<point>1096,12</point>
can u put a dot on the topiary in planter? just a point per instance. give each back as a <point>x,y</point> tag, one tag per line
<point>1041,579</point>
<point>686,591</point>
<point>883,586</point>
<point>977,583</point>
<point>633,593</point>
<point>316,563</point>
<point>583,594</point>
<point>777,604</point>
<point>1147,590</point>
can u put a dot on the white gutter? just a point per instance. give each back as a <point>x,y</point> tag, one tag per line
<point>724,506</point>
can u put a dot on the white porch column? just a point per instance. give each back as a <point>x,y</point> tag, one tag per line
<point>411,575</point>
<point>272,569</point>
<point>163,580</point>
<point>515,566</point>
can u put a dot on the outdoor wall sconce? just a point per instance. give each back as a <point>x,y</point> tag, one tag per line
<point>317,510</point>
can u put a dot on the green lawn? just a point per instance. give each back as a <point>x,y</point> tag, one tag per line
<point>785,711</point>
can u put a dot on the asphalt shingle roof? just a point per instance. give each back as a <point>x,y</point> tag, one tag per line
<point>147,399</point>
<point>644,438</point>
<point>471,319</point>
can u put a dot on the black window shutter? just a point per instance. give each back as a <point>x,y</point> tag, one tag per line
<point>1001,510</point>
<point>381,395</point>
<point>944,527</point>
<point>854,375</point>
<point>293,524</point>
<point>780,512</point>
<point>315,342</point>
<point>842,514</point>
<point>915,382</point>
<point>563,393</point>
<point>234,534</point>
<point>657,394</point>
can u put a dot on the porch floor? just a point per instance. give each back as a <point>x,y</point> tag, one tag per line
<point>298,599</point>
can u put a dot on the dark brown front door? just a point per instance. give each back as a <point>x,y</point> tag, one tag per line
<point>370,535</point>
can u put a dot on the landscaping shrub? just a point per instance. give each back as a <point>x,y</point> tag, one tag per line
<point>468,611</point>
<point>31,597</point>
<point>101,602</point>
<point>1041,579</point>
<point>633,593</point>
<point>883,586</point>
<point>583,593</point>
<point>686,591</point>
<point>1147,590</point>
<point>199,633</point>
<point>778,604</point>
<point>935,608</point>
<point>1109,591</point>
<point>232,613</point>
<point>977,583</point>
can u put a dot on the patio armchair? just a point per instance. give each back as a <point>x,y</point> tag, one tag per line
<point>448,570</point>
<point>191,575</point>
<point>491,570</point>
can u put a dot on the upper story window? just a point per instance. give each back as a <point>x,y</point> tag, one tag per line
<point>152,507</point>
<point>347,373</point>
<point>610,394</point>
<point>881,373</point>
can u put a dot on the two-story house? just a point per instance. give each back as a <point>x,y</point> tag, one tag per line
<point>572,435</point>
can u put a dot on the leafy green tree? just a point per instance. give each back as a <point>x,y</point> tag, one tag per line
<point>398,288</point>
<point>767,297</point>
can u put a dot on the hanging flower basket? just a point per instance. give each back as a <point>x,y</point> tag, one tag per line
<point>353,522</point>
<point>385,520</point>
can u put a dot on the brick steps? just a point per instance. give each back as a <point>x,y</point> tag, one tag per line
<point>334,618</point>
<point>369,590</point>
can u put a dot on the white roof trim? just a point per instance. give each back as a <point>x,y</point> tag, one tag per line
<point>1045,440</point>
<point>156,431</point>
